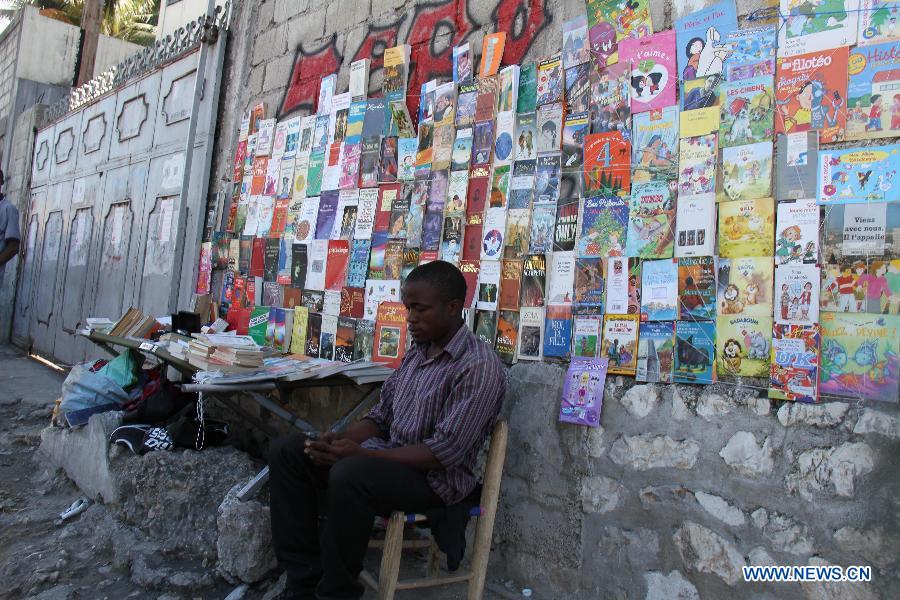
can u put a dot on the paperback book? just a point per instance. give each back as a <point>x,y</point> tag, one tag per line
<point>745,286</point>
<point>531,333</point>
<point>582,399</point>
<point>659,290</point>
<point>656,353</point>
<point>697,288</point>
<point>794,374</point>
<point>743,345</point>
<point>695,352</point>
<point>620,341</point>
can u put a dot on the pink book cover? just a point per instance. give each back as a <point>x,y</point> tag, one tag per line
<point>654,71</point>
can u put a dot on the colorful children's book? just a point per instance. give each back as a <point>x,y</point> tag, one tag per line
<point>390,334</point>
<point>507,335</point>
<point>531,333</point>
<point>877,21</point>
<point>796,164</point>
<point>701,95</point>
<point>620,341</point>
<point>607,27</point>
<point>695,225</point>
<point>549,80</point>
<point>794,373</point>
<point>378,292</point>
<point>860,356</point>
<point>558,331</point>
<point>697,288</point>
<point>651,220</point>
<point>797,232</point>
<point>743,345</point>
<point>745,286</point>
<point>611,100</point>
<point>858,175</point>
<point>697,165</point>
<point>861,230</point>
<point>656,353</point>
<point>695,352</point>
<point>607,164</point>
<point>746,172</point>
<point>659,290</point>
<point>654,144</point>
<point>701,39</point>
<point>582,399</point>
<point>746,228</point>
<point>811,92</point>
<point>586,336</point>
<point>746,113</point>
<point>603,227</point>
<point>816,26</point>
<point>654,79</point>
<point>797,294</point>
<point>752,52</point>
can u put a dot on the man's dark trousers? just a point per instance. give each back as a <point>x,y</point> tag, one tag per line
<point>358,489</point>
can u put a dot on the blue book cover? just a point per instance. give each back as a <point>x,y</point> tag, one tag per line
<point>701,39</point>
<point>695,352</point>
<point>558,331</point>
<point>328,202</point>
<point>659,290</point>
<point>359,263</point>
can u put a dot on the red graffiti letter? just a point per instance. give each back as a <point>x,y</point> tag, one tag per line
<point>534,18</point>
<point>309,68</point>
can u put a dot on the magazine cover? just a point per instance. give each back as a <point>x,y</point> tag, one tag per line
<point>561,278</point>
<point>695,352</point>
<point>697,288</point>
<point>860,356</point>
<point>878,21</point>
<point>488,286</point>
<point>701,36</point>
<point>518,223</point>
<point>390,334</point>
<point>794,374</point>
<point>858,175</point>
<point>752,52</point>
<point>697,165</point>
<point>582,398</point>
<point>549,80</point>
<point>654,144</point>
<point>507,335</point>
<point>531,333</point>
<point>873,103</point>
<point>547,177</point>
<point>574,130</point>
<point>534,280</point>
<point>797,232</point>
<point>659,290</point>
<point>654,79</point>
<point>656,353</point>
<point>651,220</point>
<point>587,336</point>
<point>620,337</point>
<point>603,227</point>
<point>797,294</point>
<point>746,228</point>
<point>746,113</point>
<point>821,25</point>
<point>578,88</point>
<point>510,284</point>
<point>746,172</point>
<point>695,225</point>
<point>611,21</point>
<point>558,331</point>
<point>486,326</point>
<point>797,159</point>
<point>575,47</point>
<point>527,95</point>
<point>566,227</point>
<point>811,93</point>
<point>745,286</point>
<point>607,164</point>
<point>589,282</point>
<point>611,100</point>
<point>743,345</point>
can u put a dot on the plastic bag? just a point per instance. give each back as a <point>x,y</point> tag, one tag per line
<point>86,389</point>
<point>123,369</point>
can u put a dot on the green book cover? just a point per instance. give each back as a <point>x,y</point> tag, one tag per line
<point>259,324</point>
<point>527,88</point>
<point>314,174</point>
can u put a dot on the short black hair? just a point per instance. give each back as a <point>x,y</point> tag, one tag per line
<point>442,275</point>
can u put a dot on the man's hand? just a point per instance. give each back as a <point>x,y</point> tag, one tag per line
<point>322,452</point>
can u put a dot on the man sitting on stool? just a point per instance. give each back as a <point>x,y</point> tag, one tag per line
<point>414,451</point>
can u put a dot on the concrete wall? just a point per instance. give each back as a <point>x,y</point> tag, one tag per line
<point>683,485</point>
<point>49,49</point>
<point>178,13</point>
<point>111,51</point>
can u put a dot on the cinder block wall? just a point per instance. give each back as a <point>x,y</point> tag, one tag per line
<point>683,485</point>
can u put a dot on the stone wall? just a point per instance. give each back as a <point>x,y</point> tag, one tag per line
<point>683,485</point>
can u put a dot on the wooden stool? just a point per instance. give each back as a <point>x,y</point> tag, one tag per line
<point>393,545</point>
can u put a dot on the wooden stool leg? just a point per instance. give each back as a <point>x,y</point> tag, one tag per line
<point>390,557</point>
<point>490,495</point>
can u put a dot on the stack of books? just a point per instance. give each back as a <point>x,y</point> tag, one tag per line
<point>134,323</point>
<point>226,353</point>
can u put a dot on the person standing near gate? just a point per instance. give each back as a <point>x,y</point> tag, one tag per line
<point>9,230</point>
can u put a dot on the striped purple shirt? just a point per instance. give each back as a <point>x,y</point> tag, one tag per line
<point>449,403</point>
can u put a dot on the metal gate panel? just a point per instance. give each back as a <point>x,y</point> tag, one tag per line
<point>74,296</point>
<point>96,131</point>
<point>21,329</point>
<point>176,97</point>
<point>120,213</point>
<point>49,248</point>
<point>135,115</point>
<point>64,147</point>
<point>40,162</point>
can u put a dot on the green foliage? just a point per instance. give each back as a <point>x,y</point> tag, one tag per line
<point>130,20</point>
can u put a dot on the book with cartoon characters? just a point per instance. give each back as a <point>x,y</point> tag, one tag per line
<point>858,175</point>
<point>549,80</point>
<point>610,22</point>
<point>794,373</point>
<point>873,103</point>
<point>878,22</point>
<point>586,336</point>
<point>746,112</point>
<point>743,345</point>
<point>860,356</point>
<point>651,220</point>
<point>659,290</point>
<point>607,164</point>
<point>753,52</point>
<point>697,287</point>
<point>620,341</point>
<point>745,286</point>
<point>603,227</point>
<point>582,397</point>
<point>797,232</point>
<point>695,352</point>
<point>654,77</point>
<point>746,228</point>
<point>611,100</point>
<point>861,284</point>
<point>820,25</point>
<point>701,35</point>
<point>654,144</point>
<point>811,93</point>
<point>746,172</point>
<point>697,165</point>
<point>797,294</point>
<point>656,353</point>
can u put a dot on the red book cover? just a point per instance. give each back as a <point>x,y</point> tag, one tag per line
<point>239,155</point>
<point>817,79</point>
<point>427,256</point>
<point>607,164</point>
<point>387,193</point>
<point>336,264</point>
<point>478,194</point>
<point>510,282</point>
<point>353,302</point>
<point>239,293</point>
<point>470,270</point>
<point>238,319</point>
<point>258,183</point>
<point>292,297</point>
<point>390,334</point>
<point>258,257</point>
<point>251,292</point>
<point>279,218</point>
<point>472,242</point>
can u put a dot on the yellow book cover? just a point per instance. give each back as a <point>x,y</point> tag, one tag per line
<point>394,56</point>
<point>298,335</point>
<point>743,345</point>
<point>747,228</point>
<point>701,121</point>
<point>620,343</point>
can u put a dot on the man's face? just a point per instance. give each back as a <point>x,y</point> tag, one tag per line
<point>430,316</point>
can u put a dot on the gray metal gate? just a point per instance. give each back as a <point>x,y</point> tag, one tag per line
<point>116,215</point>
